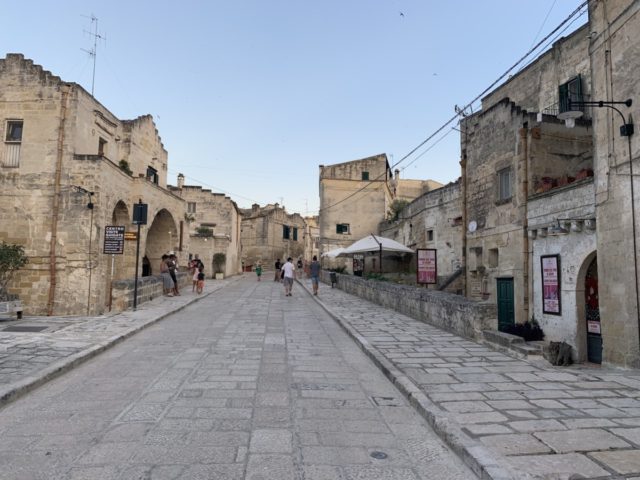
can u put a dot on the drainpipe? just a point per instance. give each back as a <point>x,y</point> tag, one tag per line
<point>56,200</point>
<point>527,260</point>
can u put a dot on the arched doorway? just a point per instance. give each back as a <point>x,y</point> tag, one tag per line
<point>592,313</point>
<point>161,238</point>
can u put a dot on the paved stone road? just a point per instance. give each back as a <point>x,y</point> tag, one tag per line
<point>503,412</point>
<point>246,383</point>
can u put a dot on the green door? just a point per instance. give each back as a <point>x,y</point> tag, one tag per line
<point>505,303</point>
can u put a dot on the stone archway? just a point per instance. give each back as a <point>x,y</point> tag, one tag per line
<point>586,270</point>
<point>121,265</point>
<point>161,238</point>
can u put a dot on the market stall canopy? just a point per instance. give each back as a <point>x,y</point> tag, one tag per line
<point>333,253</point>
<point>374,243</point>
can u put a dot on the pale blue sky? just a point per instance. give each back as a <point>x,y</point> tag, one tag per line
<point>251,96</point>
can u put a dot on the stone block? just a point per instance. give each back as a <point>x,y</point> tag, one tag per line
<point>583,440</point>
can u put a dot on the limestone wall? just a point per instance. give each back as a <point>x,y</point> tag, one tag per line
<point>444,310</point>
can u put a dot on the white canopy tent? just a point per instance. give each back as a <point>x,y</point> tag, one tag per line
<point>333,253</point>
<point>373,243</point>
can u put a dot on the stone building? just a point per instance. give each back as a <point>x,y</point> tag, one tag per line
<point>68,169</point>
<point>269,233</point>
<point>614,59</point>
<point>354,198</point>
<point>213,224</point>
<point>311,238</point>
<point>433,221</point>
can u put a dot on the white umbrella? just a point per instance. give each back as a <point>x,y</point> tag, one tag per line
<point>373,243</point>
<point>333,253</point>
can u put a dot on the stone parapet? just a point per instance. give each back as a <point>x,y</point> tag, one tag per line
<point>451,312</point>
<point>148,289</point>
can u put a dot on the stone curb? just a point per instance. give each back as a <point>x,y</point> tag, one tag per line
<point>474,454</point>
<point>15,390</point>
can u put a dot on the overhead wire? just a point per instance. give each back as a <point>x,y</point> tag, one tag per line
<point>469,105</point>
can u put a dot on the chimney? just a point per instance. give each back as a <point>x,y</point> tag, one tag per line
<point>180,181</point>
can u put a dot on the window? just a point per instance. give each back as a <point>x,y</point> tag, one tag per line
<point>13,140</point>
<point>342,228</point>
<point>191,207</point>
<point>493,257</point>
<point>102,143</point>
<point>152,175</point>
<point>286,231</point>
<point>572,90</point>
<point>429,235</point>
<point>365,176</point>
<point>295,234</point>
<point>14,131</point>
<point>504,184</point>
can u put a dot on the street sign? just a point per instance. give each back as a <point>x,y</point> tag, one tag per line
<point>113,239</point>
<point>130,236</point>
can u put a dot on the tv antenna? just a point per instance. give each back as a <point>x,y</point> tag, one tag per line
<point>93,53</point>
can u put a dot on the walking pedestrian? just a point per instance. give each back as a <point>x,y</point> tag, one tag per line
<point>289,274</point>
<point>259,270</point>
<point>314,270</point>
<point>200,280</point>
<point>278,273</point>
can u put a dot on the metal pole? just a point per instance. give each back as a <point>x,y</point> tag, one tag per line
<point>135,285</point>
<point>113,269</point>
<point>90,262</point>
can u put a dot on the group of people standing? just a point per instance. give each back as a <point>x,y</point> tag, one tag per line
<point>169,268</point>
<point>286,272</point>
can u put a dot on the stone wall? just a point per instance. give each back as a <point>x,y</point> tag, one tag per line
<point>444,310</point>
<point>615,61</point>
<point>148,289</point>
<point>434,220</point>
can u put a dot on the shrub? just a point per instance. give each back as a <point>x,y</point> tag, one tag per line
<point>12,258</point>
<point>529,330</point>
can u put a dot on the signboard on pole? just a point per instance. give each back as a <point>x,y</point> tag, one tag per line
<point>427,266</point>
<point>113,239</point>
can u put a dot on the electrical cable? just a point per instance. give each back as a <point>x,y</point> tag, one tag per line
<point>467,106</point>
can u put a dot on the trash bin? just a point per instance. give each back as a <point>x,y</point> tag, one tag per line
<point>334,278</point>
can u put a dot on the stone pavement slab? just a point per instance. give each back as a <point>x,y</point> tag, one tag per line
<point>30,358</point>
<point>498,410</point>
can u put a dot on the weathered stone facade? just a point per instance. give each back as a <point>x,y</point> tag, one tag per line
<point>311,239</point>
<point>269,233</point>
<point>614,54</point>
<point>434,220</point>
<point>354,198</point>
<point>213,224</point>
<point>64,152</point>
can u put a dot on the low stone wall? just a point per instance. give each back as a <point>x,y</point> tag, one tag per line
<point>450,312</point>
<point>148,289</point>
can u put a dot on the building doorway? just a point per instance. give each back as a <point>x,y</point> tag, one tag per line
<point>506,315</point>
<point>592,313</point>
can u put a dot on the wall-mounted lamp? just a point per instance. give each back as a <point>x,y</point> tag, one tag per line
<point>557,229</point>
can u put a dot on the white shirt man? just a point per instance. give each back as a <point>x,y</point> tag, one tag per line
<point>289,274</point>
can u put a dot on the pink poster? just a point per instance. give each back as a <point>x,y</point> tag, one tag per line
<point>427,266</point>
<point>550,284</point>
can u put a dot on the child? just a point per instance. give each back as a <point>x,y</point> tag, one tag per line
<point>200,280</point>
<point>259,270</point>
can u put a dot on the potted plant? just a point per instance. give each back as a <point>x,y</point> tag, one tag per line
<point>12,258</point>
<point>219,260</point>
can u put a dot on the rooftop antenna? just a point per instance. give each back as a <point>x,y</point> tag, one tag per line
<point>93,53</point>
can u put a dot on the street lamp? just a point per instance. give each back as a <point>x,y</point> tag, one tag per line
<point>626,130</point>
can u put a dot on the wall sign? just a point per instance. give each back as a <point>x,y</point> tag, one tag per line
<point>427,266</point>
<point>113,239</point>
<point>550,269</point>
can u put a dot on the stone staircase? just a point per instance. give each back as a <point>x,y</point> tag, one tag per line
<point>512,343</point>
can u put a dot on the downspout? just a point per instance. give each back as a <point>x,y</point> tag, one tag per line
<point>463,174</point>
<point>528,260</point>
<point>56,200</point>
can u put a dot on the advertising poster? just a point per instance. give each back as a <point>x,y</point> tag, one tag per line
<point>114,239</point>
<point>551,284</point>
<point>427,266</point>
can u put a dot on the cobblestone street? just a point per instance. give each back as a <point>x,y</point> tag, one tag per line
<point>245,383</point>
